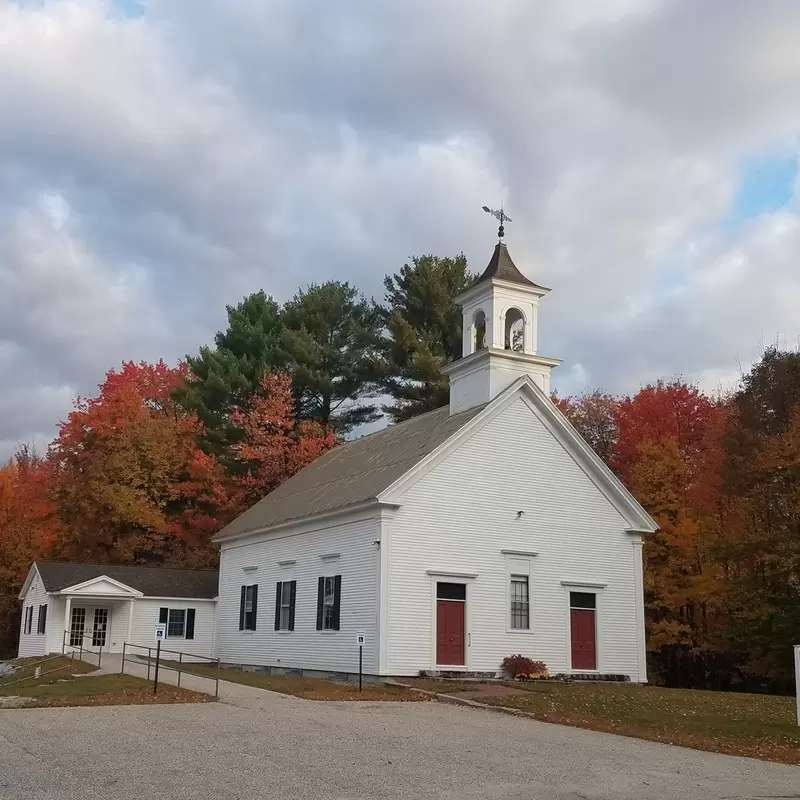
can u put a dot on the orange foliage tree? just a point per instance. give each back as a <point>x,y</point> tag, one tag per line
<point>273,446</point>
<point>132,484</point>
<point>29,528</point>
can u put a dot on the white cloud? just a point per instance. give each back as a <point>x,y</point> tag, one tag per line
<point>153,169</point>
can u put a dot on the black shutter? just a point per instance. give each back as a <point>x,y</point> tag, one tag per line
<point>241,609</point>
<point>320,595</point>
<point>255,606</point>
<point>42,625</point>
<point>163,615</point>
<point>337,600</point>
<point>190,623</point>
<point>278,587</point>
<point>292,598</point>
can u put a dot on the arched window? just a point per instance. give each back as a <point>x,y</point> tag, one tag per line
<point>479,328</point>
<point>515,330</point>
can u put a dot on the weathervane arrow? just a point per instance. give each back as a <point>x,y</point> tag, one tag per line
<point>499,215</point>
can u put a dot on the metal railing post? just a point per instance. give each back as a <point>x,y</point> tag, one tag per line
<point>216,688</point>
<point>99,656</point>
<point>80,658</point>
<point>63,643</point>
<point>149,656</point>
<point>71,663</point>
<point>122,668</point>
<point>180,663</point>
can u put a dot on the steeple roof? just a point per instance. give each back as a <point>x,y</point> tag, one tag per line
<point>503,268</point>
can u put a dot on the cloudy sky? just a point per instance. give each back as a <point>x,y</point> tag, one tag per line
<point>161,158</point>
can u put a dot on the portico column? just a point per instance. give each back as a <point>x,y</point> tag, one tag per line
<point>67,616</point>
<point>130,621</point>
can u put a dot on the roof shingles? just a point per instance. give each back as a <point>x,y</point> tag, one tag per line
<point>352,473</point>
<point>150,581</point>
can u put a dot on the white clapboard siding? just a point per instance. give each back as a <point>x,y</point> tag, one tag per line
<point>146,617</point>
<point>464,513</point>
<point>33,643</point>
<point>258,562</point>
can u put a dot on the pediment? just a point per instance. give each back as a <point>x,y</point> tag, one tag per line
<point>102,585</point>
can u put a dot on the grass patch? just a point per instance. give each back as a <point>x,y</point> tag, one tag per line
<point>307,688</point>
<point>760,726</point>
<point>53,670</point>
<point>106,690</point>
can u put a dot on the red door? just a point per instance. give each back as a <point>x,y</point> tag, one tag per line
<point>450,626</point>
<point>584,646</point>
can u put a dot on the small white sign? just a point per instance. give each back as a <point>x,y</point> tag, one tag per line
<point>361,638</point>
<point>161,631</point>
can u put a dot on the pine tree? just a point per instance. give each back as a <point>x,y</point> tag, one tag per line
<point>332,345</point>
<point>228,375</point>
<point>424,328</point>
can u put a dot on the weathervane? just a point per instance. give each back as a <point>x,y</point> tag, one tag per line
<point>500,215</point>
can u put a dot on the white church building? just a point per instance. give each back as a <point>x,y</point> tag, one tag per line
<point>467,534</point>
<point>480,530</point>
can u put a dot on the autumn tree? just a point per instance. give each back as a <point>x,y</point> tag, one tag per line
<point>274,446</point>
<point>29,529</point>
<point>424,332</point>
<point>132,485</point>
<point>594,415</point>
<point>762,479</point>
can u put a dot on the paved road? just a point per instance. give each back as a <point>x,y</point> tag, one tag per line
<point>260,745</point>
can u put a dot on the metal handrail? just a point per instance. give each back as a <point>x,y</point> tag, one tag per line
<point>34,676</point>
<point>179,669</point>
<point>80,647</point>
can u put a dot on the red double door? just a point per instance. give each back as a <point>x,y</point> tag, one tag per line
<point>450,624</point>
<point>583,635</point>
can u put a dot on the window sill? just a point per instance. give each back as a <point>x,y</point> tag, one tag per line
<point>247,633</point>
<point>519,630</point>
<point>327,633</point>
<point>284,631</point>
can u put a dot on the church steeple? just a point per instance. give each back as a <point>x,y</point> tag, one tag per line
<point>500,319</point>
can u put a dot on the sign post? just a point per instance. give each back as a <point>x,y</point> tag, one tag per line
<point>797,678</point>
<point>361,639</point>
<point>161,632</point>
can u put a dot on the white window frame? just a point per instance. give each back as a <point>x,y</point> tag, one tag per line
<point>327,624</point>
<point>249,591</point>
<point>27,625</point>
<point>519,563</point>
<point>526,581</point>
<point>286,606</point>
<point>170,612</point>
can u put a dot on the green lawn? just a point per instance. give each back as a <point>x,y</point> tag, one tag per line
<point>59,668</point>
<point>308,688</point>
<point>54,687</point>
<point>761,726</point>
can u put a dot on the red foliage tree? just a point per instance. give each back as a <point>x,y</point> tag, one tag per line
<point>133,485</point>
<point>273,446</point>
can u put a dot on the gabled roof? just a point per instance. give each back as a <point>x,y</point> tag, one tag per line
<point>502,267</point>
<point>150,581</point>
<point>353,473</point>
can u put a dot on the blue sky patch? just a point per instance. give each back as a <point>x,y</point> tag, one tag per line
<point>132,9</point>
<point>766,184</point>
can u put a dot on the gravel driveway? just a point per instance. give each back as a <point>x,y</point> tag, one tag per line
<point>260,745</point>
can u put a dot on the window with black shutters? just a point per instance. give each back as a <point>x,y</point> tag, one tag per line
<point>28,620</point>
<point>329,597</point>
<point>285,598</point>
<point>179,622</point>
<point>248,608</point>
<point>41,624</point>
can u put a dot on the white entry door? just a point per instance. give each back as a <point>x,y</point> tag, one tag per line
<point>100,623</point>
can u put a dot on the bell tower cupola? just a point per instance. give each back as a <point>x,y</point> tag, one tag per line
<point>500,318</point>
